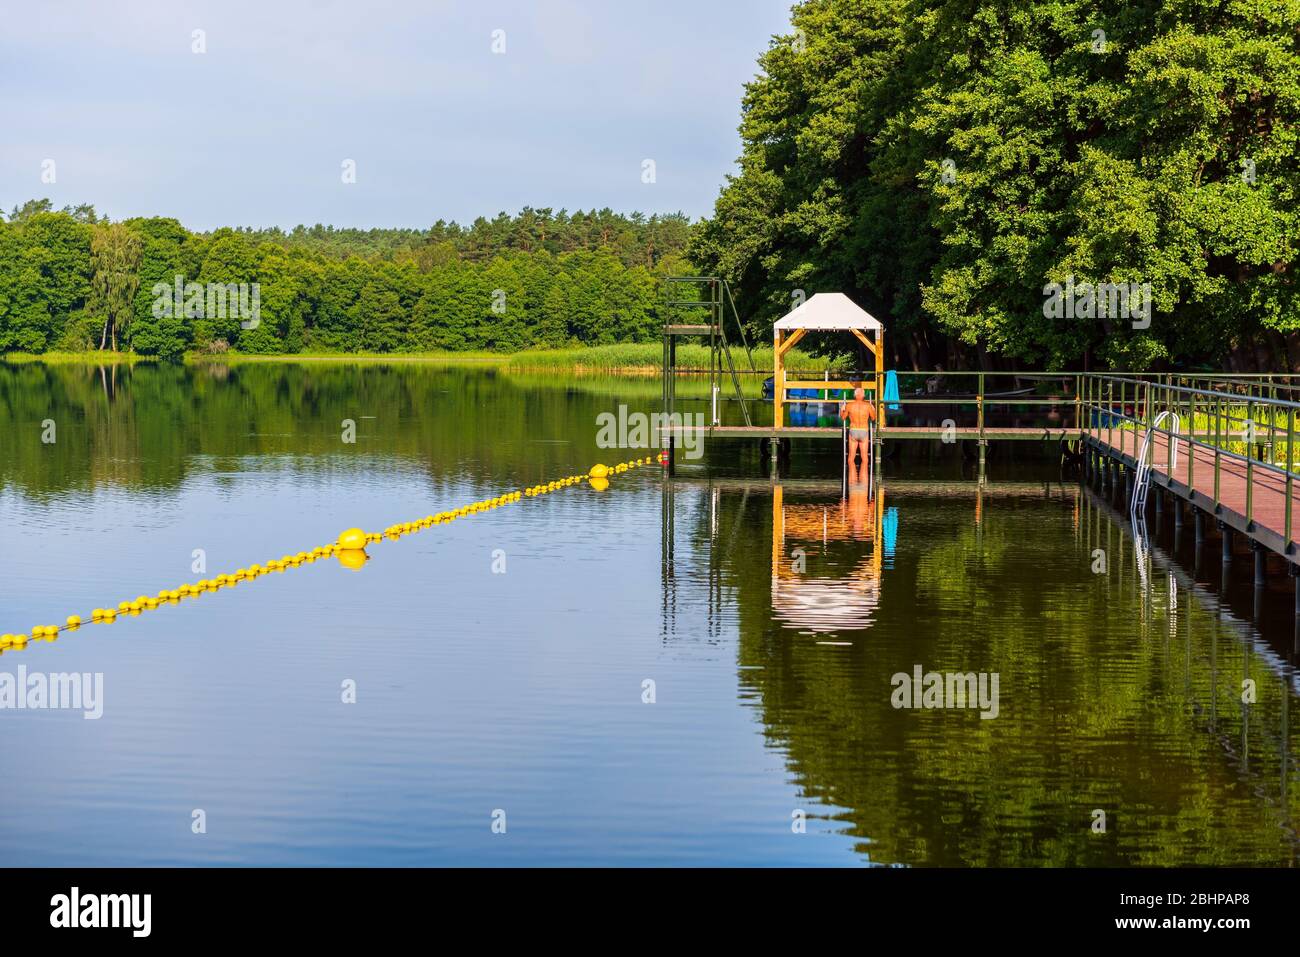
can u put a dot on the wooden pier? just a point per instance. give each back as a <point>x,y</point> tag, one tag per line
<point>1224,449</point>
<point>1222,445</point>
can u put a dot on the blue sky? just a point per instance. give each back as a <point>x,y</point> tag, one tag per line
<point>255,130</point>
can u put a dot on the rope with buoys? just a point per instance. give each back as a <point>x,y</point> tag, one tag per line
<point>349,550</point>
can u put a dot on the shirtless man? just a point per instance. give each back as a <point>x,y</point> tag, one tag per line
<point>860,414</point>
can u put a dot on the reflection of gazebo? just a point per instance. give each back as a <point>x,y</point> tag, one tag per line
<point>825,312</point>
<point>819,604</point>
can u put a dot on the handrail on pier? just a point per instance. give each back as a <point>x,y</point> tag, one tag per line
<point>1119,406</point>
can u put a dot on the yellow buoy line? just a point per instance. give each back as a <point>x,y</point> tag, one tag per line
<point>349,549</point>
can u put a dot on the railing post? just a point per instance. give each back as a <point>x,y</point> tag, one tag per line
<point>1218,449</point>
<point>1110,413</point>
<point>1078,405</point>
<point>1191,441</point>
<point>1123,414</point>
<point>1250,464</point>
<point>1171,403</point>
<point>1290,434</point>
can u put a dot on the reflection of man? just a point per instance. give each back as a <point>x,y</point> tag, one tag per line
<point>860,415</point>
<point>861,510</point>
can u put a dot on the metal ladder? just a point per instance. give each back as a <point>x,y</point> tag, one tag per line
<point>1142,482</point>
<point>721,362</point>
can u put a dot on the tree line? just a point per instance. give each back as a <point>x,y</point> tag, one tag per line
<point>944,162</point>
<point>71,281</point>
<point>1005,184</point>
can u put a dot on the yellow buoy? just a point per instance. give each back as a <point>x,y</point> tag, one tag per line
<point>353,538</point>
<point>599,484</point>
<point>74,621</point>
<point>598,471</point>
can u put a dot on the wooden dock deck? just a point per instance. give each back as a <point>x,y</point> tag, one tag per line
<point>1247,496</point>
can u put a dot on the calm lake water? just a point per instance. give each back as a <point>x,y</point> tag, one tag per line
<point>771,619</point>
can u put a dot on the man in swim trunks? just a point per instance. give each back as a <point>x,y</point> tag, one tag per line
<point>860,414</point>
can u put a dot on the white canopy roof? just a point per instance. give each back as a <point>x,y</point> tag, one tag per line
<point>829,310</point>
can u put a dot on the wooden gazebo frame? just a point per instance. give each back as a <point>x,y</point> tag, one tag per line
<point>826,312</point>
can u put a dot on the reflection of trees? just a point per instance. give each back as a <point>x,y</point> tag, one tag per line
<point>1106,703</point>
<point>141,427</point>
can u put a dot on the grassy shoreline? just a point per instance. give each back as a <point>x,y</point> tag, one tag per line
<point>623,359</point>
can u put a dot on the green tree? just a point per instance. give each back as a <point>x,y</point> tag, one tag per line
<point>942,161</point>
<point>115,253</point>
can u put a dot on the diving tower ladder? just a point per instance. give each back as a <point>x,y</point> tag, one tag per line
<point>713,294</point>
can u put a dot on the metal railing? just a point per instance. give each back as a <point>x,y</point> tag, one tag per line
<point>1243,424</point>
<point>1052,399</point>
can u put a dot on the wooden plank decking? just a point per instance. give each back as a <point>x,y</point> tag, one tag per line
<point>1263,519</point>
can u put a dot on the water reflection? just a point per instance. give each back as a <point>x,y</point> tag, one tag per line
<point>1122,679</point>
<point>1122,687</point>
<point>815,600</point>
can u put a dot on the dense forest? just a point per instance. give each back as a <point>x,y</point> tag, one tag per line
<point>70,281</point>
<point>942,161</point>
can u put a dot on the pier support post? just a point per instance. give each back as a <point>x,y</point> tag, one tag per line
<point>1178,511</point>
<point>1198,519</point>
<point>1226,532</point>
<point>1294,572</point>
<point>1261,564</point>
<point>1128,485</point>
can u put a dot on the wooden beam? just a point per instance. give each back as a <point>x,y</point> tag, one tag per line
<point>829,384</point>
<point>794,337</point>
<point>871,347</point>
<point>778,381</point>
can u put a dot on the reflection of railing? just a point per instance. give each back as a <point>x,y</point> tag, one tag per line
<point>1100,521</point>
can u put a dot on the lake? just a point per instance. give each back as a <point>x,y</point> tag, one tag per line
<point>689,671</point>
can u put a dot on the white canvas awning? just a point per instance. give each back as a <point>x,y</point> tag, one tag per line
<point>830,311</point>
